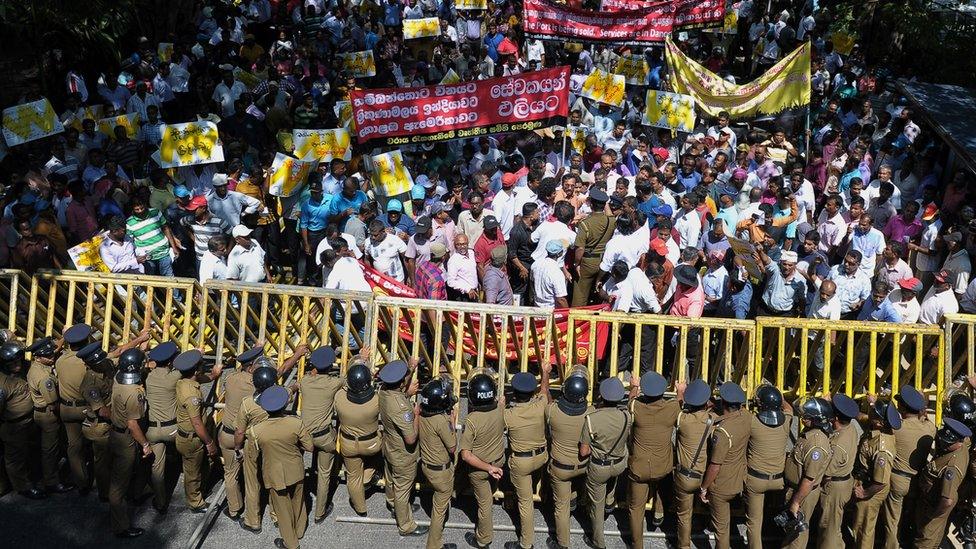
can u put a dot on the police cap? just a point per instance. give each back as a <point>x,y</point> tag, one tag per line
<point>249,355</point>
<point>697,393</point>
<point>524,382</point>
<point>273,399</point>
<point>323,358</point>
<point>188,360</point>
<point>731,393</point>
<point>653,384</point>
<point>612,390</point>
<point>77,333</point>
<point>845,406</point>
<point>164,352</point>
<point>911,398</point>
<point>393,372</point>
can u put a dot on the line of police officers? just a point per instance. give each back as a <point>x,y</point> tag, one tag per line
<point>879,467</point>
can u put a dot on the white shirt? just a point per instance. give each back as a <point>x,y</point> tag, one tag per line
<point>138,105</point>
<point>936,305</point>
<point>386,255</point>
<point>212,267</point>
<point>227,95</point>
<point>929,262</point>
<point>623,248</point>
<point>806,25</point>
<point>347,274</point>
<point>551,230</point>
<point>909,310</point>
<point>504,206</point>
<point>246,265</point>
<point>829,310</point>
<point>633,294</point>
<point>523,195</point>
<point>688,227</point>
<point>873,191</point>
<point>549,281</point>
<point>324,245</point>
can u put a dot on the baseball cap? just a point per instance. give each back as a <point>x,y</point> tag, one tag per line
<point>418,192</point>
<point>953,237</point>
<point>660,152</point>
<point>394,205</point>
<point>945,275</point>
<point>240,230</point>
<point>437,250</point>
<point>663,209</point>
<point>912,284</point>
<point>437,207</point>
<point>219,180</point>
<point>491,222</point>
<point>509,180</point>
<point>196,202</point>
<point>659,247</point>
<point>423,224</point>
<point>180,191</point>
<point>930,212</point>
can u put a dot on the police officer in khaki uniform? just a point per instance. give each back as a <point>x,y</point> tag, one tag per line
<point>525,421</point>
<point>70,372</point>
<point>193,442</point>
<point>726,472</point>
<point>318,388</point>
<point>96,387</point>
<point>592,235</point>
<point>400,420</point>
<point>838,482</point>
<point>16,420</point>
<point>939,483</point>
<point>358,410</point>
<point>651,450</point>
<point>161,430</point>
<point>564,422</point>
<point>770,429</point>
<point>912,443</point>
<point>281,439</point>
<point>694,426</point>
<point>483,449</point>
<point>806,466</point>
<point>43,386</point>
<point>249,414</point>
<point>873,471</point>
<point>238,385</point>
<point>438,442</point>
<point>127,440</point>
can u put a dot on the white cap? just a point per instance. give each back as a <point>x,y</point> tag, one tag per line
<point>788,256</point>
<point>241,230</point>
<point>219,179</point>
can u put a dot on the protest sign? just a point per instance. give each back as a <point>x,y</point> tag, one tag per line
<point>451,77</point>
<point>322,145</point>
<point>688,14</point>
<point>577,138</point>
<point>633,68</point>
<point>343,111</point>
<point>843,42</point>
<point>421,28</point>
<point>471,4</point>
<point>165,51</point>
<point>647,25</point>
<point>288,175</point>
<point>128,121</point>
<point>30,121</point>
<point>669,110</point>
<point>604,87</point>
<point>189,144</point>
<point>744,249</point>
<point>359,64</point>
<point>390,174</point>
<point>86,256</point>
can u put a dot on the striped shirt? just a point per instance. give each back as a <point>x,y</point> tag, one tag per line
<point>148,234</point>
<point>202,232</point>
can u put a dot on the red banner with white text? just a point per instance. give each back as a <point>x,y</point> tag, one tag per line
<point>688,14</point>
<point>649,24</point>
<point>399,116</point>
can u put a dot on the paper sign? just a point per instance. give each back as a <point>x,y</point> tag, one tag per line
<point>451,77</point>
<point>669,110</point>
<point>744,250</point>
<point>390,175</point>
<point>604,87</point>
<point>128,121</point>
<point>322,145</point>
<point>165,51</point>
<point>343,111</point>
<point>471,4</point>
<point>633,68</point>
<point>360,64</point>
<point>421,28</point>
<point>577,138</point>
<point>843,42</point>
<point>88,112</point>
<point>86,256</point>
<point>288,175</point>
<point>30,121</point>
<point>190,144</point>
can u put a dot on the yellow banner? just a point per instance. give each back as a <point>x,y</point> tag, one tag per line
<point>421,28</point>
<point>86,256</point>
<point>390,174</point>
<point>128,121</point>
<point>343,111</point>
<point>843,42</point>
<point>577,138</point>
<point>322,145</point>
<point>189,144</point>
<point>785,85</point>
<point>604,87</point>
<point>471,4</point>
<point>633,68</point>
<point>360,64</point>
<point>451,77</point>
<point>669,110</point>
<point>30,121</point>
<point>288,175</point>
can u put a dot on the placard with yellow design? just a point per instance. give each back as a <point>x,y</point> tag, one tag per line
<point>633,68</point>
<point>288,174</point>
<point>128,121</point>
<point>421,28</point>
<point>471,4</point>
<point>390,174</point>
<point>29,122</point>
<point>343,111</point>
<point>165,51</point>
<point>360,64</point>
<point>87,257</point>
<point>323,145</point>
<point>451,77</point>
<point>190,144</point>
<point>669,110</point>
<point>89,112</point>
<point>843,42</point>
<point>604,87</point>
<point>577,138</point>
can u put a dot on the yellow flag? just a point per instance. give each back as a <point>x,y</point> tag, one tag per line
<point>190,143</point>
<point>604,87</point>
<point>288,175</point>
<point>390,174</point>
<point>421,28</point>
<point>30,121</point>
<point>128,121</point>
<point>360,64</point>
<point>669,110</point>
<point>323,145</point>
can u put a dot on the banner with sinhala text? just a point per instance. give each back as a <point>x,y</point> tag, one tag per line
<point>189,144</point>
<point>688,14</point>
<point>669,110</point>
<point>649,25</point>
<point>785,85</point>
<point>30,121</point>
<point>390,175</point>
<point>322,145</point>
<point>421,28</point>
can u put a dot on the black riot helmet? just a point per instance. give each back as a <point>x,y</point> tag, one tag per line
<point>264,377</point>
<point>573,400</point>
<point>769,406</point>
<point>482,393</point>
<point>818,411</point>
<point>10,353</point>
<point>359,384</point>
<point>436,397</point>
<point>962,408</point>
<point>130,367</point>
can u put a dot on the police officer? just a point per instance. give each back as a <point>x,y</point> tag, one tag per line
<point>96,387</point>
<point>400,420</point>
<point>694,426</point>
<point>16,420</point>
<point>161,430</point>
<point>592,235</point>
<point>70,372</point>
<point>963,409</point>
<point>939,483</point>
<point>564,422</point>
<point>766,458</point>
<point>726,470</point>
<point>43,386</point>
<point>438,442</point>
<point>238,385</point>
<point>838,482</point>
<point>281,439</point>
<point>482,448</point>
<point>525,420</point>
<point>128,442</point>
<point>358,410</point>
<point>806,466</point>
<point>873,471</point>
<point>318,388</point>
<point>651,450</point>
<point>249,414</point>
<point>912,443</point>
<point>193,442</point>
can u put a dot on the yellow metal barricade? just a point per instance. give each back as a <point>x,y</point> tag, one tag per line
<point>116,306</point>
<point>14,301</point>
<point>681,349</point>
<point>810,356</point>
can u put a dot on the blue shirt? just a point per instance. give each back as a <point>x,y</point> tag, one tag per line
<point>405,224</point>
<point>689,181</point>
<point>730,217</point>
<point>737,304</point>
<point>781,295</point>
<point>885,312</point>
<point>315,215</point>
<point>340,204</point>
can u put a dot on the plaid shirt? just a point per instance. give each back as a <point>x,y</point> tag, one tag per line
<point>429,281</point>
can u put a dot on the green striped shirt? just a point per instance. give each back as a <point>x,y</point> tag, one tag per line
<point>148,235</point>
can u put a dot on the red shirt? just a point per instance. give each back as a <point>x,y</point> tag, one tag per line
<point>484,246</point>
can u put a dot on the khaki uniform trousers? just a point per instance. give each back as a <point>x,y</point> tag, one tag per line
<point>484,488</point>
<point>598,478</point>
<point>834,496</point>
<point>720,510</point>
<point>808,506</point>
<point>252,486</point>
<point>443,484</point>
<point>97,435</point>
<point>522,471</point>
<point>325,450</point>
<point>50,427</point>
<point>901,493</point>
<point>643,488</point>
<point>756,493</point>
<point>685,490</point>
<point>289,505</point>
<point>16,451</point>
<point>124,461</point>
<point>589,271</point>
<point>194,456</point>
<point>866,513</point>
<point>232,472</point>
<point>353,453</point>
<point>930,531</point>
<point>400,478</point>
<point>72,416</point>
<point>561,481</point>
<point>161,439</point>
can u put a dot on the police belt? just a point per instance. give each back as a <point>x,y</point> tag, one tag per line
<point>689,473</point>
<point>905,474</point>
<point>185,434</point>
<point>166,423</point>
<point>530,453</point>
<point>839,479</point>
<point>763,476</point>
<point>606,463</point>
<point>18,419</point>
<point>121,430</point>
<point>44,409</point>
<point>592,255</point>
<point>444,467</point>
<point>358,439</point>
<point>325,431</point>
<point>566,467</point>
<point>74,403</point>
<point>228,430</point>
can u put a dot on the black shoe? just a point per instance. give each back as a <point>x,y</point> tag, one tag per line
<point>414,507</point>
<point>608,509</point>
<point>589,543</point>
<point>449,546</point>
<point>202,509</point>
<point>363,514</point>
<point>59,488</point>
<point>551,543</point>
<point>232,516</point>
<point>473,540</point>
<point>420,531</point>
<point>249,529</point>
<point>657,521</point>
<point>280,543</point>
<point>33,493</point>
<point>130,533</point>
<point>328,511</point>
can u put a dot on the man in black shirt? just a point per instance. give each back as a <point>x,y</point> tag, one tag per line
<point>520,248</point>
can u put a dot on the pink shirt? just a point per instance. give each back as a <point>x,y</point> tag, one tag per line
<point>897,229</point>
<point>688,303</point>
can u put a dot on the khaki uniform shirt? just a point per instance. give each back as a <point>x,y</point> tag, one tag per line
<point>396,413</point>
<point>357,420</point>
<point>767,446</point>
<point>593,233</point>
<point>249,415</point>
<point>943,475</point>
<point>730,440</point>
<point>161,393</point>
<point>238,385</point>
<point>692,429</point>
<point>437,438</point>
<point>318,400</point>
<point>606,431</point>
<point>43,384</point>
<point>128,402</point>
<point>843,446</point>
<point>652,437</point>
<point>15,399</point>
<point>280,441</point>
<point>71,371</point>
<point>484,434</point>
<point>189,401</point>
<point>565,432</point>
<point>810,457</point>
<point>526,424</point>
<point>875,458</point>
<point>97,390</point>
<point>912,444</point>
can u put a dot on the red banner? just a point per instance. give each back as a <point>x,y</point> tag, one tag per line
<point>385,285</point>
<point>398,116</point>
<point>649,24</point>
<point>688,14</point>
